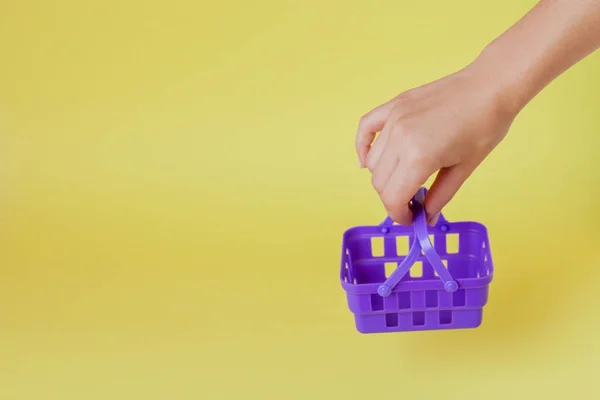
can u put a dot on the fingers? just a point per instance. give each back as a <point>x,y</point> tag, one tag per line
<point>377,150</point>
<point>378,147</point>
<point>443,189</point>
<point>409,175</point>
<point>369,125</point>
<point>385,167</point>
<point>401,163</point>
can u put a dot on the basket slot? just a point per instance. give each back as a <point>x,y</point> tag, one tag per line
<point>372,274</point>
<point>376,302</point>
<point>389,268</point>
<point>377,246</point>
<point>417,270</point>
<point>452,243</point>
<point>391,320</point>
<point>445,317</point>
<point>431,298</point>
<point>404,302</point>
<point>459,298</point>
<point>418,318</point>
<point>402,245</point>
<point>428,271</point>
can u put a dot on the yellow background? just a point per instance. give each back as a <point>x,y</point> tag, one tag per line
<point>176,177</point>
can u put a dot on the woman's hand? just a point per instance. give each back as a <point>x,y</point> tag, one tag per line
<point>449,126</point>
<point>452,124</point>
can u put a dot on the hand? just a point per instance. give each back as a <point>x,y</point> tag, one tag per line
<point>449,126</point>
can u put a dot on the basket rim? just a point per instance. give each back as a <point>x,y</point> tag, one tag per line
<point>421,285</point>
<point>447,228</point>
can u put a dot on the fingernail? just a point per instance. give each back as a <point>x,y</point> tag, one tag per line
<point>434,220</point>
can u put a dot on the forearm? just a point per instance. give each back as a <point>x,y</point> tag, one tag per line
<point>552,37</point>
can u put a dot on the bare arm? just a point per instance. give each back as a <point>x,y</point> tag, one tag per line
<point>450,126</point>
<point>553,36</point>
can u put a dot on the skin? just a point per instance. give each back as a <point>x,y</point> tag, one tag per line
<point>451,125</point>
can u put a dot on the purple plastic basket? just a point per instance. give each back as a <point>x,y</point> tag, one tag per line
<point>448,291</point>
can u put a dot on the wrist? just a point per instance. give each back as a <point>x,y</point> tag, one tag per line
<point>508,87</point>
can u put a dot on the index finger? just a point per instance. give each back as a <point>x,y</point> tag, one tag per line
<point>369,125</point>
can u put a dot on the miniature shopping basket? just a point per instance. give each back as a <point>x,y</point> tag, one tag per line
<point>400,278</point>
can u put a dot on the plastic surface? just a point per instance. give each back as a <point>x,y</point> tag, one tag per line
<point>448,292</point>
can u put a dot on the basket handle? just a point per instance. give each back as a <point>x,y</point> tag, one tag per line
<point>422,234</point>
<point>388,221</point>
<point>422,243</point>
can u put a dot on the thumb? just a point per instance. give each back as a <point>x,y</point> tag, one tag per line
<point>444,187</point>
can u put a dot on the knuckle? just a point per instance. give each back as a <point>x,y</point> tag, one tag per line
<point>417,157</point>
<point>424,157</point>
<point>376,182</point>
<point>364,120</point>
<point>418,152</point>
<point>401,129</point>
<point>371,163</point>
<point>402,102</point>
<point>388,200</point>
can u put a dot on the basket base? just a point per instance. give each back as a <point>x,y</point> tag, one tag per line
<point>419,321</point>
